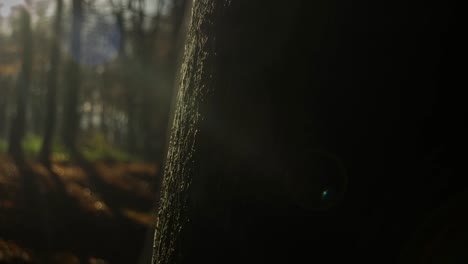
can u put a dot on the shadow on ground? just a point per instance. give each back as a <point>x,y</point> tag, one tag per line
<point>80,212</point>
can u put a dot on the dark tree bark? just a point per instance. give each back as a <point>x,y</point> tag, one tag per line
<point>131,99</point>
<point>52,82</point>
<point>181,13</point>
<point>132,124</point>
<point>3,110</point>
<point>71,116</point>
<point>302,131</point>
<point>145,92</point>
<point>17,129</point>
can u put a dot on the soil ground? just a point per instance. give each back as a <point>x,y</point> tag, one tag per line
<point>100,212</point>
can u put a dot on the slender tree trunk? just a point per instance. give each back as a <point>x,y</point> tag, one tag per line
<point>71,116</point>
<point>127,80</point>
<point>131,137</point>
<point>17,129</point>
<point>104,114</point>
<point>145,59</point>
<point>3,110</point>
<point>52,82</point>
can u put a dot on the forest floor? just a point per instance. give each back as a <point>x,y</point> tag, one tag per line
<point>99,212</point>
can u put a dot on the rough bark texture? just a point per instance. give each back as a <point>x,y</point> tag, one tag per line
<point>303,129</point>
<point>179,163</point>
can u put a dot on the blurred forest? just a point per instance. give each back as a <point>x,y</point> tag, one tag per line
<point>85,99</point>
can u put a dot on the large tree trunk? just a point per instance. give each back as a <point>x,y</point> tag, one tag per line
<point>51,103</point>
<point>17,129</point>
<point>302,130</point>
<point>71,116</point>
<point>166,97</point>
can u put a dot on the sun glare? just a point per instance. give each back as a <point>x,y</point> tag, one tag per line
<point>6,5</point>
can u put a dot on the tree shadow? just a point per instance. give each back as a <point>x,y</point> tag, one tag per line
<point>114,197</point>
<point>47,213</point>
<point>53,219</point>
<point>116,232</point>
